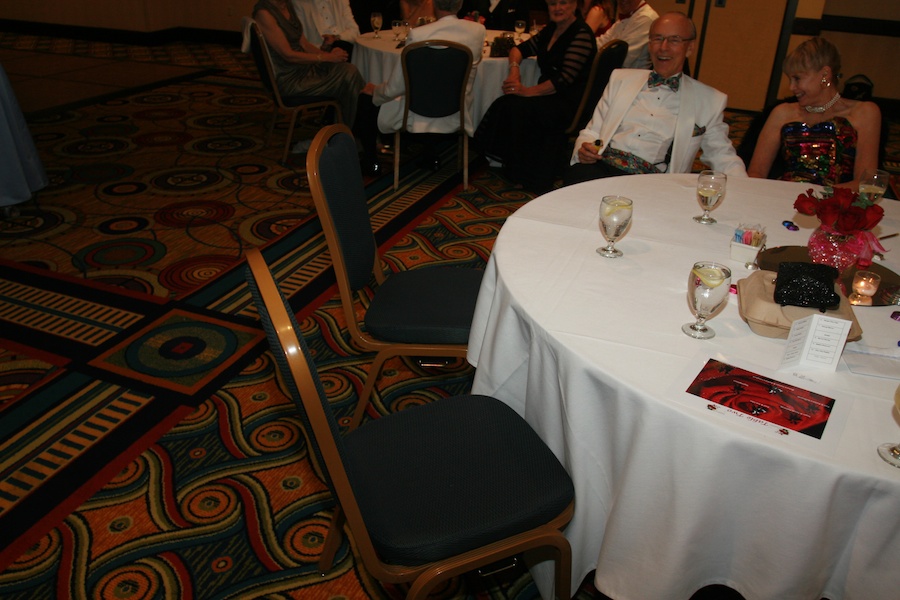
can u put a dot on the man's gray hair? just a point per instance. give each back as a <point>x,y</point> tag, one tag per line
<point>452,6</point>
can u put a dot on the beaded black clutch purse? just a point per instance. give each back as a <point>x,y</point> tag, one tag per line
<point>806,284</point>
<point>501,46</point>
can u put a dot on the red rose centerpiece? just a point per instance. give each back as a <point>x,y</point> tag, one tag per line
<point>844,237</point>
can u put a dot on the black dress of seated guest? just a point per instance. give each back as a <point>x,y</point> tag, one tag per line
<point>526,134</point>
<point>504,15</point>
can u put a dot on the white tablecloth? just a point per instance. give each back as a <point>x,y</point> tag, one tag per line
<point>671,496</point>
<point>376,59</point>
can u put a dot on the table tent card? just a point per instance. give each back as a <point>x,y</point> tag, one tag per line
<point>815,342</point>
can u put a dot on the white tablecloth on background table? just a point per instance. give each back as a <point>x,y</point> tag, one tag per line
<point>670,496</point>
<point>376,59</point>
<point>21,170</point>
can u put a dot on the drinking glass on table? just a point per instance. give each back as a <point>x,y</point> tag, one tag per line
<point>375,19</point>
<point>520,29</point>
<point>615,215</point>
<point>873,183</point>
<point>891,452</point>
<point>397,28</point>
<point>708,286</point>
<point>710,191</point>
<point>406,29</point>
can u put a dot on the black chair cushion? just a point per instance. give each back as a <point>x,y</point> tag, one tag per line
<point>440,479</point>
<point>431,305</point>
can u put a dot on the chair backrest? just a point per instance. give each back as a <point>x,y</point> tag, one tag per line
<point>262,57</point>
<point>436,73</point>
<point>336,184</point>
<point>609,58</point>
<point>301,379</point>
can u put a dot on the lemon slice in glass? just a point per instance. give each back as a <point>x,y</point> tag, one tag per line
<point>710,277</point>
<point>613,206</point>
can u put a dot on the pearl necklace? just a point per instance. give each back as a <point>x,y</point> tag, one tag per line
<point>824,107</point>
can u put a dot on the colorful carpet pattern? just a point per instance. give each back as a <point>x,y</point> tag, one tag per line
<point>226,503</point>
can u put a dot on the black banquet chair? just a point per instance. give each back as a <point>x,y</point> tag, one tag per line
<point>608,58</point>
<point>294,105</point>
<point>430,492</point>
<point>423,312</point>
<point>436,73</point>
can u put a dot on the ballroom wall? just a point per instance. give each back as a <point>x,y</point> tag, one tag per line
<point>739,55</point>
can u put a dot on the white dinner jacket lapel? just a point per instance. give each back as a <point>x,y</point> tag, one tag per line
<point>684,127</point>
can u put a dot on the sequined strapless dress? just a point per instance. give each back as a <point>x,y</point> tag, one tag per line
<point>823,153</point>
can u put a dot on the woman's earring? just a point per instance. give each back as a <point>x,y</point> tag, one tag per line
<point>825,82</point>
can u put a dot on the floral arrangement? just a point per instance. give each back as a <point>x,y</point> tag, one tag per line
<point>474,16</point>
<point>843,212</point>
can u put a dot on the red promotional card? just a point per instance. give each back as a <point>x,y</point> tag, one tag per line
<point>788,407</point>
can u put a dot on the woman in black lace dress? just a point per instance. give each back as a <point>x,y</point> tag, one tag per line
<point>523,129</point>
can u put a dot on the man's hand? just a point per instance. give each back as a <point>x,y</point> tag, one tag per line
<point>588,153</point>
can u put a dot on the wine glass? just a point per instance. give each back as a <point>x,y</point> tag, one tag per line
<point>534,27</point>
<point>615,215</point>
<point>873,183</point>
<point>406,29</point>
<point>397,28</point>
<point>376,23</point>
<point>710,191</point>
<point>891,452</point>
<point>520,29</point>
<point>708,286</point>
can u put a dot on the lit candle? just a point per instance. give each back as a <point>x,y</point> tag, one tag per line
<point>866,283</point>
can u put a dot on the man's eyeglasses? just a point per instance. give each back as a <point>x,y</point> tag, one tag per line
<point>674,40</point>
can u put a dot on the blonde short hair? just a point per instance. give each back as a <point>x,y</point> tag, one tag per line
<point>812,55</point>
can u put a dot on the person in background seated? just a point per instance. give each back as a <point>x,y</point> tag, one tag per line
<point>498,14</point>
<point>600,15</point>
<point>302,69</point>
<point>327,23</point>
<point>823,138</point>
<point>632,25</point>
<point>414,10</point>
<point>389,95</point>
<point>523,128</point>
<point>655,121</point>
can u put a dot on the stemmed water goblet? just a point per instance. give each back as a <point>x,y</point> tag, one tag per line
<point>710,191</point>
<point>375,19</point>
<point>873,183</point>
<point>615,215</point>
<point>891,452</point>
<point>397,28</point>
<point>708,286</point>
<point>520,29</point>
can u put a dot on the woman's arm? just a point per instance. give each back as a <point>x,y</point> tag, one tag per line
<point>866,119</point>
<point>596,17</point>
<point>277,41</point>
<point>768,144</point>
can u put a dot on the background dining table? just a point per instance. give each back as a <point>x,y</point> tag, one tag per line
<point>672,495</point>
<point>376,59</point>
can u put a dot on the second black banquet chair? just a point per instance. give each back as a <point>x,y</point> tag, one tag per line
<point>425,311</point>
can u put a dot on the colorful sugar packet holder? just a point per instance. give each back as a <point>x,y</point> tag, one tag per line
<point>748,241</point>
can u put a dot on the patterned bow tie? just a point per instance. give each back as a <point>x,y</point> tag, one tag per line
<point>657,80</point>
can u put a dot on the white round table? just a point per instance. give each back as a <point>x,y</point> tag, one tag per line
<point>672,496</point>
<point>377,58</point>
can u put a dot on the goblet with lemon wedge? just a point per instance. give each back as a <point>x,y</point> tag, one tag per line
<point>615,215</point>
<point>710,191</point>
<point>891,452</point>
<point>708,287</point>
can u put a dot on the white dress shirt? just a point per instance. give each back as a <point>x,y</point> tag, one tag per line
<point>321,17</point>
<point>649,125</point>
<point>636,31</point>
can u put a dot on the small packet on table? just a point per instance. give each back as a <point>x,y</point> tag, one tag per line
<point>748,241</point>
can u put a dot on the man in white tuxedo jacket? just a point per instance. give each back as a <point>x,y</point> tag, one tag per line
<point>389,95</point>
<point>656,121</point>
